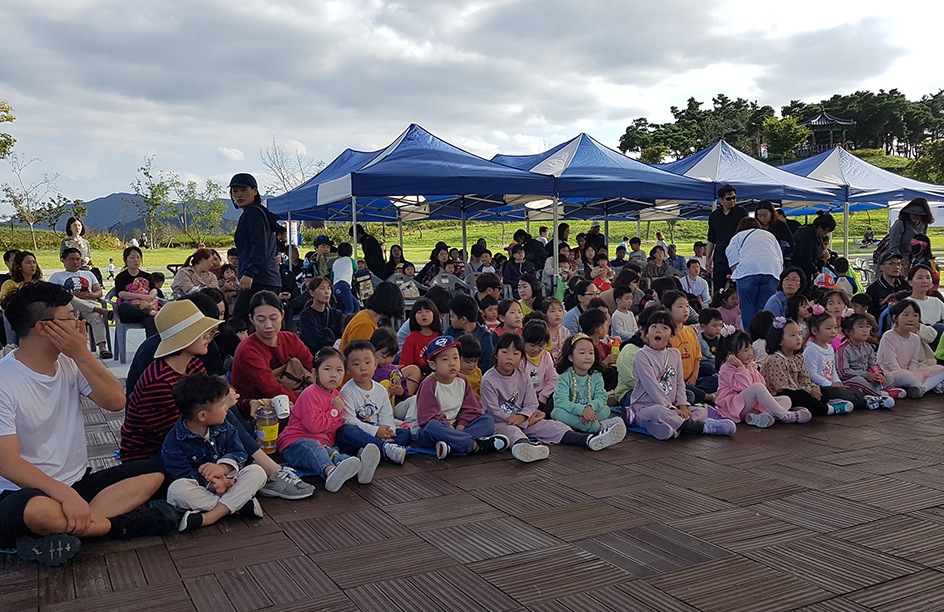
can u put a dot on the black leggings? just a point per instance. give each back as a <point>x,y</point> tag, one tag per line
<point>802,399</point>
<point>129,313</point>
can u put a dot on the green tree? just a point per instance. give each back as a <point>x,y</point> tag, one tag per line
<point>79,211</point>
<point>637,137</point>
<point>783,135</point>
<point>655,154</point>
<point>53,209</point>
<point>6,141</point>
<point>929,166</point>
<point>205,208</point>
<point>30,199</point>
<point>152,190</point>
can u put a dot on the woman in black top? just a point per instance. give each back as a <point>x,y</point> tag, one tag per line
<point>137,296</point>
<point>396,259</point>
<point>319,324</point>
<point>766,216</point>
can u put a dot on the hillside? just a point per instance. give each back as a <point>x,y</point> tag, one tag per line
<point>115,214</point>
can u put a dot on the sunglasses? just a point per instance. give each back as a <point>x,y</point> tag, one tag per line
<point>730,198</point>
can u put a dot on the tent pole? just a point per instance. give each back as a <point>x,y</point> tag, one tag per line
<point>845,229</point>
<point>554,254</point>
<point>400,227</point>
<point>638,227</point>
<point>606,228</point>
<point>354,225</point>
<point>527,223</point>
<point>464,237</point>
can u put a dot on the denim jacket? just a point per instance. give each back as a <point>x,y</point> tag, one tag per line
<point>184,451</point>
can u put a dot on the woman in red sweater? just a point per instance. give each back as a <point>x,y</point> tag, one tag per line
<point>266,349</point>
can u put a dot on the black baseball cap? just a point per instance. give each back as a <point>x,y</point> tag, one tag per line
<point>243,179</point>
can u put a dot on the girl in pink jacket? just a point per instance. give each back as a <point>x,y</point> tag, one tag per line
<point>742,392</point>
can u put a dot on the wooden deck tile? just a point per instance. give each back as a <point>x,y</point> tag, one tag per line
<point>322,504</point>
<point>919,592</point>
<point>227,552</point>
<point>55,584</point>
<point>405,488</point>
<point>157,565</point>
<point>396,558</point>
<point>531,497</point>
<point>91,576</point>
<point>909,537</point>
<point>812,474</point>
<point>740,529</point>
<point>690,470</point>
<point>580,521</point>
<point>746,489</point>
<point>341,530</point>
<point>877,462</point>
<point>292,579</point>
<point>336,602</point>
<point>452,590</point>
<point>471,477</point>
<point>837,604</point>
<point>932,477</point>
<point>668,501</point>
<point>124,570</point>
<point>207,594</point>
<point>487,539</point>
<point>891,494</point>
<point>443,511</point>
<point>160,598</point>
<point>820,511</point>
<point>610,482</point>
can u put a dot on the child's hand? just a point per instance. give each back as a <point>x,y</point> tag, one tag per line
<point>221,484</point>
<point>683,412</point>
<point>875,377</point>
<point>838,385</point>
<point>457,427</point>
<point>385,432</point>
<point>536,417</point>
<point>516,419</point>
<point>588,416</point>
<point>212,471</point>
<point>734,361</point>
<point>817,393</point>
<point>337,402</point>
<point>255,405</point>
<point>231,398</point>
<point>610,359</point>
<point>397,390</point>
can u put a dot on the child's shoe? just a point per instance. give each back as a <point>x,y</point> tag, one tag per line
<point>50,550</point>
<point>915,392</point>
<point>838,406</point>
<point>370,459</point>
<point>629,416</point>
<point>612,431</point>
<point>873,402</point>
<point>491,444</point>
<point>251,509</point>
<point>896,393</point>
<point>526,452</point>
<point>190,521</point>
<point>801,415</point>
<point>341,473</point>
<point>719,427</point>
<point>759,419</point>
<point>395,452</point>
<point>888,401</point>
<point>287,485</point>
<point>442,450</point>
<point>939,389</point>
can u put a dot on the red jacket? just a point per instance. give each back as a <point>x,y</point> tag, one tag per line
<point>254,361</point>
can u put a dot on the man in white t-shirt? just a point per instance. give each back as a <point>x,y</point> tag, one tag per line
<point>86,291</point>
<point>48,496</point>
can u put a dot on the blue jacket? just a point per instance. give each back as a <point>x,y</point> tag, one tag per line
<point>255,243</point>
<point>184,451</point>
<point>485,339</point>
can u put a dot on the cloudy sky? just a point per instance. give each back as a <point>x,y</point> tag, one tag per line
<point>204,84</point>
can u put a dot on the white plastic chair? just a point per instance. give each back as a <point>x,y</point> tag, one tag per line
<point>120,349</point>
<point>451,283</point>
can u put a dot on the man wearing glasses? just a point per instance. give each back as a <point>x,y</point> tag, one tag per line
<point>722,225</point>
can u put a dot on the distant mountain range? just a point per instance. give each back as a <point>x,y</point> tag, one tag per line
<point>120,217</point>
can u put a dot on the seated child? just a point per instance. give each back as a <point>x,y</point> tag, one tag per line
<point>659,403</point>
<point>579,396</point>
<point>553,310</point>
<point>742,392</point>
<point>728,304</point>
<point>308,441</point>
<point>205,457</point>
<point>537,363</point>
<point>601,272</point>
<point>709,336</point>
<point>899,353</point>
<point>821,364</point>
<point>685,340</point>
<point>387,374</point>
<point>470,353</point>
<point>624,363</point>
<point>425,324</point>
<point>835,303</point>
<point>623,322</point>
<point>368,415</point>
<point>510,315</point>
<point>508,397</point>
<point>595,324</point>
<point>449,417</point>
<point>464,319</point>
<point>488,306</point>
<point>844,280</point>
<point>799,311</point>
<point>486,266</point>
<point>784,370</point>
<point>319,325</point>
<point>857,364</point>
<point>862,304</point>
<point>759,327</point>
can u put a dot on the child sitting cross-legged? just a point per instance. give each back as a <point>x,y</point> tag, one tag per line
<point>538,364</point>
<point>470,354</point>
<point>595,324</point>
<point>511,317</point>
<point>742,392</point>
<point>858,365</point>
<point>658,401</point>
<point>425,324</point>
<point>387,374</point>
<point>308,441</point>
<point>508,397</point>
<point>205,457</point>
<point>685,341</point>
<point>784,370</point>
<point>368,415</point>
<point>579,397</point>
<point>449,417</point>
<point>899,353</point>
<point>821,365</point>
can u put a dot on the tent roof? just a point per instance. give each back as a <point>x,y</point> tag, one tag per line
<point>863,181</point>
<point>824,119</point>
<point>587,169</point>
<point>754,180</point>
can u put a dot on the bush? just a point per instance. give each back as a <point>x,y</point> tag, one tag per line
<point>862,153</point>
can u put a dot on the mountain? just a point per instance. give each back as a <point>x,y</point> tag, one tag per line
<point>119,216</point>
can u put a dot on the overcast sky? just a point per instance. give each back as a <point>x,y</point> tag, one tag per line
<point>97,85</point>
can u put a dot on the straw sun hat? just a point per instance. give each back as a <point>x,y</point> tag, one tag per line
<point>180,324</point>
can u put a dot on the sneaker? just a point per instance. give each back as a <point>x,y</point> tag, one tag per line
<point>395,452</point>
<point>629,416</point>
<point>838,406</point>
<point>442,450</point>
<point>341,473</point>
<point>526,452</point>
<point>888,401</point>
<point>896,393</point>
<point>719,427</point>
<point>759,419</point>
<point>152,520</point>
<point>190,521</point>
<point>915,392</point>
<point>802,415</point>
<point>370,459</point>
<point>287,485</point>
<point>50,550</point>
<point>873,402</point>
<point>491,444</point>
<point>939,389</point>
<point>251,509</point>
<point>610,433</point>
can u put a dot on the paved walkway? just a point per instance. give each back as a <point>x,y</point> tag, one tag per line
<point>845,514</point>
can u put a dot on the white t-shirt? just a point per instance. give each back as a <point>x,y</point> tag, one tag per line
<point>754,252</point>
<point>367,409</point>
<point>932,310</point>
<point>623,324</point>
<point>450,398</point>
<point>343,270</point>
<point>81,280</point>
<point>44,414</point>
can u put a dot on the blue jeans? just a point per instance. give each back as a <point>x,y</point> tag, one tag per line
<point>460,441</point>
<point>311,455</point>
<point>342,290</point>
<point>753,292</point>
<point>351,438</point>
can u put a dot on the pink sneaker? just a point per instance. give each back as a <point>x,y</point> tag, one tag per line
<point>797,416</point>
<point>896,393</point>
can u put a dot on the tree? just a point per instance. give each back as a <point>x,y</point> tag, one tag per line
<point>637,136</point>
<point>929,166</point>
<point>29,199</point>
<point>205,208</point>
<point>783,135</point>
<point>79,211</point>
<point>152,199</point>
<point>288,168</point>
<point>53,209</point>
<point>6,141</point>
<point>654,154</point>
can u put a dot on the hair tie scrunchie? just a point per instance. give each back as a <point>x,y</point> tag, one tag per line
<point>727,330</point>
<point>848,312</point>
<point>780,322</point>
<point>818,309</point>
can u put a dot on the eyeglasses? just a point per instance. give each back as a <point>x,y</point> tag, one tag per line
<point>730,198</point>
<point>212,333</point>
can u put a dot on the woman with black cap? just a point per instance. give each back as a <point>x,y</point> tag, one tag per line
<point>255,242</point>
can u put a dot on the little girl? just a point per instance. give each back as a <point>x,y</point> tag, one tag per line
<point>760,324</point>
<point>554,311</point>
<point>510,315</point>
<point>508,397</point>
<point>798,310</point>
<point>742,392</point>
<point>785,373</point>
<point>308,441</point>
<point>579,396</point>
<point>659,403</point>
<point>729,306</point>
<point>538,364</point>
<point>837,304</point>
<point>821,365</point>
<point>425,324</point>
<point>857,364</point>
<point>900,350</point>
<point>488,306</point>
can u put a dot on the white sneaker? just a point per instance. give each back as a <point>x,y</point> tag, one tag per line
<point>873,402</point>
<point>759,419</point>
<point>838,406</point>
<point>370,459</point>
<point>526,452</point>
<point>939,389</point>
<point>341,473</point>
<point>395,452</point>
<point>610,433</point>
<point>442,450</point>
<point>888,401</point>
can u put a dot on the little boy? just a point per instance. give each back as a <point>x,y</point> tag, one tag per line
<point>470,352</point>
<point>368,415</point>
<point>463,319</point>
<point>862,304</point>
<point>205,457</point>
<point>157,279</point>
<point>488,306</point>
<point>624,322</point>
<point>620,260</point>
<point>449,417</point>
<point>387,374</point>
<point>450,267</point>
<point>694,284</point>
<point>111,269</point>
<point>229,286</point>
<point>636,254</point>
<point>709,337</point>
<point>486,260</point>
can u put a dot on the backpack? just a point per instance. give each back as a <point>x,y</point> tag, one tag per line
<point>880,249</point>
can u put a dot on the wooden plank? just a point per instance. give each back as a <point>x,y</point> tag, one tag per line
<point>740,529</point>
<point>820,511</point>
<point>226,552</point>
<point>157,565</point>
<point>443,511</point>
<point>91,575</point>
<point>243,590</point>
<point>918,589</point>
<point>124,570</point>
<point>341,530</point>
<point>405,488</point>
<point>528,497</point>
<point>357,565</point>
<point>207,594</point>
<point>486,539</point>
<point>581,521</point>
<point>667,501</point>
<point>160,598</point>
<point>55,584</point>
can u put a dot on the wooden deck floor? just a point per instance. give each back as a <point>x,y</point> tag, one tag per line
<point>845,514</point>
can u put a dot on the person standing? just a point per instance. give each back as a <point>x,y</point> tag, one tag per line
<point>913,219</point>
<point>255,244</point>
<point>595,238</point>
<point>373,253</point>
<point>722,225</point>
<point>563,233</point>
<point>809,251</point>
<point>756,262</point>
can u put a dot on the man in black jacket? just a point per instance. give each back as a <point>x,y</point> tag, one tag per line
<point>808,249</point>
<point>255,243</point>
<point>373,254</point>
<point>722,225</point>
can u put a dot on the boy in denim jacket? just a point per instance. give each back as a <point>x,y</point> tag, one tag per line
<point>205,457</point>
